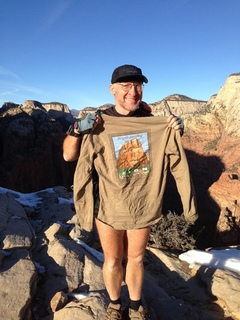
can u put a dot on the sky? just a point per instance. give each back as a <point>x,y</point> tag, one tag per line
<point>66,50</point>
<point>225,259</point>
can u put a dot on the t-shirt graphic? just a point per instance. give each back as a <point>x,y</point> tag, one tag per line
<point>132,154</point>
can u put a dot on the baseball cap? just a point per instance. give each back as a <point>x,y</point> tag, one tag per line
<point>128,72</point>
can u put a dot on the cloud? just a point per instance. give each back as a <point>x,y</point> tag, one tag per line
<point>16,91</point>
<point>5,93</point>
<point>7,73</point>
<point>15,87</point>
<point>56,12</point>
<point>11,83</point>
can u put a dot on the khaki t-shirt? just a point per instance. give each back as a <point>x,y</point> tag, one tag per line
<point>131,157</point>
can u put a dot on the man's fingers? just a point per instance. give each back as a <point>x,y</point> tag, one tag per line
<point>175,122</point>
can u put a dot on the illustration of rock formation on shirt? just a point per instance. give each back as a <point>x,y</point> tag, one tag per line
<point>132,159</point>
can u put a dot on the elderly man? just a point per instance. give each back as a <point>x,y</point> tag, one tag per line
<point>120,234</point>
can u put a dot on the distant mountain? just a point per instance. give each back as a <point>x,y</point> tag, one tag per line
<point>77,113</point>
<point>74,112</point>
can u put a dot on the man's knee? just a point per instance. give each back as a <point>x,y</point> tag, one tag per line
<point>112,263</point>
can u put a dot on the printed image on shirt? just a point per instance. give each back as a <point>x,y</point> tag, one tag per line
<point>132,154</point>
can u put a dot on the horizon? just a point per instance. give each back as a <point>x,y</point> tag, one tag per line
<point>90,107</point>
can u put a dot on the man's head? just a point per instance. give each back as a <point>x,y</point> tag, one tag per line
<point>126,86</point>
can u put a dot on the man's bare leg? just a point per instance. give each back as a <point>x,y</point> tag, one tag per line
<point>135,244</point>
<point>112,242</point>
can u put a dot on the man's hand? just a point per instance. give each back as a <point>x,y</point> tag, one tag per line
<point>88,123</point>
<point>175,122</point>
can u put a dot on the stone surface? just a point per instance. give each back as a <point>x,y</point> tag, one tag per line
<point>18,281</point>
<point>56,278</point>
<point>59,300</point>
<point>16,231</point>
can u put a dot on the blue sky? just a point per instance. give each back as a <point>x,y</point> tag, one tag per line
<point>66,50</point>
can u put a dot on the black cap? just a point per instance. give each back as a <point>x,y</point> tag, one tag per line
<point>127,73</point>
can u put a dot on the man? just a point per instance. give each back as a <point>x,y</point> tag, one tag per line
<point>126,86</point>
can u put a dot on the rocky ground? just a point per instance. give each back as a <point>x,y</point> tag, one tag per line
<point>47,274</point>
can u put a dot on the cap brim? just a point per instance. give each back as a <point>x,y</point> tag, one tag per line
<point>133,78</point>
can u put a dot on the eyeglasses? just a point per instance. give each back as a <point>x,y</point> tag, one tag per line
<point>128,86</point>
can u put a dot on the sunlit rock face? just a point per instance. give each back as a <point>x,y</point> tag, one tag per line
<point>211,140</point>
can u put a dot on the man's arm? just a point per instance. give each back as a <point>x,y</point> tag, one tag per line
<point>72,142</point>
<point>71,148</point>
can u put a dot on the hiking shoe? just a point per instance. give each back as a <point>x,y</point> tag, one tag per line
<point>141,314</point>
<point>114,312</point>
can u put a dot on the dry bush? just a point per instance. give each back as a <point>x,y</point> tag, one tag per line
<point>172,232</point>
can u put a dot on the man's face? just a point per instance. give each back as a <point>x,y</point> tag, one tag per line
<point>128,96</point>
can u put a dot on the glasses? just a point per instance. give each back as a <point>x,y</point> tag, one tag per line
<point>128,86</point>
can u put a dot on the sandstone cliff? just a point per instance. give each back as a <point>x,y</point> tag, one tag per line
<point>213,134</point>
<point>211,140</point>
<point>31,138</point>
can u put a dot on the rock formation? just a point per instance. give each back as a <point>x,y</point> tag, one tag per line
<point>213,134</point>
<point>31,137</point>
<point>178,104</point>
<point>48,272</point>
<point>45,274</point>
<point>211,140</point>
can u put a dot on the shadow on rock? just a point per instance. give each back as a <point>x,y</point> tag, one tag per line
<point>172,291</point>
<point>205,170</point>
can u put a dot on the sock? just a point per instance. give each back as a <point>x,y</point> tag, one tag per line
<point>118,301</point>
<point>135,304</point>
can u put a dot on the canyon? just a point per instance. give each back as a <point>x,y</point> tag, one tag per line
<point>45,274</point>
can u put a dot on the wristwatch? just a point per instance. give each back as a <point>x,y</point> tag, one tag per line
<point>72,130</point>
